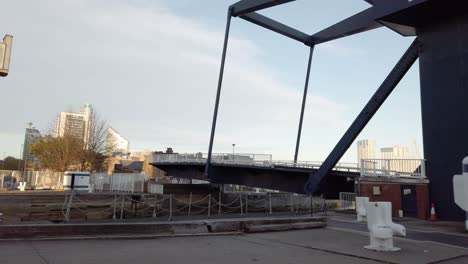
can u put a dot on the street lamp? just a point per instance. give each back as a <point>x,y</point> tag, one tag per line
<point>5,53</point>
<point>233,146</point>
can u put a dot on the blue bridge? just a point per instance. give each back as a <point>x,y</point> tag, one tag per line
<point>260,170</point>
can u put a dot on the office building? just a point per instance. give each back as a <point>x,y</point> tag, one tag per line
<point>31,136</point>
<point>74,124</point>
<point>395,152</point>
<point>366,149</point>
<point>394,155</point>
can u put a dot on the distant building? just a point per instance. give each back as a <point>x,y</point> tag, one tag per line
<point>75,124</point>
<point>365,150</point>
<point>395,152</point>
<point>116,142</point>
<point>31,136</point>
<point>135,161</point>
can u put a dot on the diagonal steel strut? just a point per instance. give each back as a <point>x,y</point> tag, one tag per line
<point>379,97</point>
<point>218,91</point>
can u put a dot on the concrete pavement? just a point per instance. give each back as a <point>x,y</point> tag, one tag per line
<point>304,246</point>
<point>452,233</point>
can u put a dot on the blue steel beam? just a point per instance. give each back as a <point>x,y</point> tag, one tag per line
<point>304,99</point>
<point>379,97</point>
<point>248,6</point>
<point>218,92</point>
<point>277,27</point>
<point>358,23</point>
<point>366,20</point>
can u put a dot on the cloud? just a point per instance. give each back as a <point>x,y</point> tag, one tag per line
<point>153,75</point>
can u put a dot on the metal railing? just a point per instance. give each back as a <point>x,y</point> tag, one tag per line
<point>347,200</point>
<point>122,206</point>
<point>413,168</point>
<point>262,160</point>
<point>224,158</point>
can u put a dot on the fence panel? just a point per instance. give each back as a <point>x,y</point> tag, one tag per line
<point>347,200</point>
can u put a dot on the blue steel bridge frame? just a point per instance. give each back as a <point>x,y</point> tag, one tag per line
<point>431,22</point>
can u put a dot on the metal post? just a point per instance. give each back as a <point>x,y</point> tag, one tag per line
<point>247,203</point>
<point>219,203</point>
<point>170,207</point>
<point>209,205</point>
<point>114,217</point>
<point>69,204</point>
<point>304,99</point>
<point>271,212</point>
<point>423,168</point>
<point>154,208</point>
<point>311,212</point>
<point>218,93</point>
<point>292,204</point>
<point>122,207</point>
<point>25,162</point>
<point>190,204</point>
<point>241,205</point>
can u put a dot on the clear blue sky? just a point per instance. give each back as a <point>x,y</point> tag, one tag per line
<point>150,68</point>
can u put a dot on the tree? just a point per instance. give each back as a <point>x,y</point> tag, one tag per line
<point>96,151</point>
<point>58,153</point>
<point>11,163</point>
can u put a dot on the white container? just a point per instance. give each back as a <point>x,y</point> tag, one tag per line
<point>76,180</point>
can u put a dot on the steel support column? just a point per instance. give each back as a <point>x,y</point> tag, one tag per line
<point>304,99</point>
<point>218,92</point>
<point>379,97</point>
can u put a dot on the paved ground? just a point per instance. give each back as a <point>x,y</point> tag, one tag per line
<point>341,242</point>
<point>452,233</point>
<point>330,245</point>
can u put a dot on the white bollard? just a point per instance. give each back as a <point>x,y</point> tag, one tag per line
<point>22,186</point>
<point>460,189</point>
<point>381,228</point>
<point>361,208</point>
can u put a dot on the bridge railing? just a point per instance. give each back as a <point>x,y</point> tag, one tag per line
<point>263,160</point>
<point>412,168</point>
<point>223,158</point>
<point>341,166</point>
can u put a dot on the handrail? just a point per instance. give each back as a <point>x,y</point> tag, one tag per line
<point>260,160</point>
<point>410,168</point>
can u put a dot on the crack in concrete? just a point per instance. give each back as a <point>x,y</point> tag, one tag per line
<point>39,254</point>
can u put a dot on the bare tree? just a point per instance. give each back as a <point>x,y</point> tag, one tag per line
<point>97,149</point>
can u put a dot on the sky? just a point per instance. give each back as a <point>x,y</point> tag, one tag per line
<point>150,68</point>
